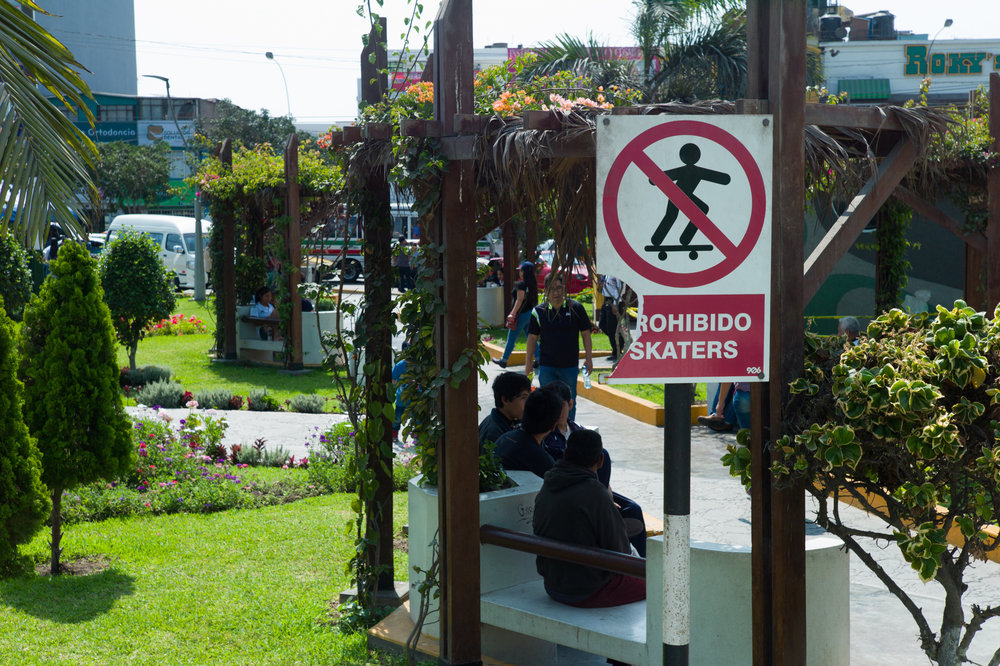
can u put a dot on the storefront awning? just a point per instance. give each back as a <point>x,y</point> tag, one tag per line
<point>864,88</point>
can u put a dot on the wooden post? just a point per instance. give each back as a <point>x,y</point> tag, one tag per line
<point>228,265</point>
<point>377,317</point>
<point>293,244</point>
<point>776,71</point>
<point>993,189</point>
<point>458,457</point>
<point>511,260</point>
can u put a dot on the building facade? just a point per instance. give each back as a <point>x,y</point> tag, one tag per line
<point>101,35</point>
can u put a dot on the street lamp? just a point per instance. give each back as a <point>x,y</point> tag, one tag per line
<point>270,56</point>
<point>947,24</point>
<point>199,244</point>
<point>170,106</point>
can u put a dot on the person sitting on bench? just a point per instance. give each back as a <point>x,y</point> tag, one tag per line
<point>521,448</point>
<point>573,507</point>
<point>263,308</point>
<point>510,391</point>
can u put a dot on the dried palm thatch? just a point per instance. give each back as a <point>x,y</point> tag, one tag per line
<point>552,173</point>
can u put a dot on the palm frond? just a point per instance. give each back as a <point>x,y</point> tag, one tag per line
<point>44,158</point>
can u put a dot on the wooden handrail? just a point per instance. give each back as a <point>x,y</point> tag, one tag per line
<point>598,558</point>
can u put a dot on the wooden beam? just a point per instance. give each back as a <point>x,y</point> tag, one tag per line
<point>993,192</point>
<point>939,217</point>
<point>845,230</point>
<point>419,127</point>
<point>470,123</point>
<point>458,463</point>
<point>377,131</point>
<point>542,120</point>
<point>787,80</point>
<point>293,244</point>
<point>352,134</point>
<point>375,315</point>
<point>845,115</point>
<point>228,221</point>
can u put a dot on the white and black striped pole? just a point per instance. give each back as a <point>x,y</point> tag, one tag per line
<point>676,524</point>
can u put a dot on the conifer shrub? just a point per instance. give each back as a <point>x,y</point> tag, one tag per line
<point>308,403</point>
<point>214,398</point>
<point>258,400</point>
<point>137,288</point>
<point>147,374</point>
<point>160,394</point>
<point>24,502</point>
<point>15,278</point>
<point>68,364</point>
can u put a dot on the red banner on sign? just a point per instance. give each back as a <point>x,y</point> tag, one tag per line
<point>698,336</point>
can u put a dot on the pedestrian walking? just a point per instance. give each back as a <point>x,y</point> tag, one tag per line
<point>525,295</point>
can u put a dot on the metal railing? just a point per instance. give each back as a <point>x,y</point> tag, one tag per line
<point>598,558</point>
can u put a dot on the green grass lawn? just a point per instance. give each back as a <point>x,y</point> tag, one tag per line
<point>188,356</point>
<point>237,587</point>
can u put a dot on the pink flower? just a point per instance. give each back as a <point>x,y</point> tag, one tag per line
<point>191,404</point>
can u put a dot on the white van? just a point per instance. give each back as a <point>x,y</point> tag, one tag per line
<point>174,236</point>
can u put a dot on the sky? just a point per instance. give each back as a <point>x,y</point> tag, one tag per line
<point>215,48</point>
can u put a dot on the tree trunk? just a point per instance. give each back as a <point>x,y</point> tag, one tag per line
<point>132,349</point>
<point>55,568</point>
<point>952,620</point>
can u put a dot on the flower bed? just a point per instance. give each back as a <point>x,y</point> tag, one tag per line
<point>177,324</point>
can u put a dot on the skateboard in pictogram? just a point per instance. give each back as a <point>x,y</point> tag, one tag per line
<point>687,178</point>
<point>692,250</point>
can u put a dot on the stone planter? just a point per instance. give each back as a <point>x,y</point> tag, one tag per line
<point>489,304</point>
<point>511,508</point>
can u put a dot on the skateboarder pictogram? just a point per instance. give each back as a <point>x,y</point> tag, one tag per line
<point>687,178</point>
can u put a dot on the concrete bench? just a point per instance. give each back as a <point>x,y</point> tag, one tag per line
<point>250,347</point>
<point>522,625</point>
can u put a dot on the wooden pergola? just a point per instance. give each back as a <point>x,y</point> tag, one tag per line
<point>776,84</point>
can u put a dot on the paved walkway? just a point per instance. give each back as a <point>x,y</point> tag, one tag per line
<point>882,631</point>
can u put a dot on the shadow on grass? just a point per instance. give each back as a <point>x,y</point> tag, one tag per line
<point>67,599</point>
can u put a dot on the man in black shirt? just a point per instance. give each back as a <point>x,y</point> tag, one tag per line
<point>510,390</point>
<point>559,323</point>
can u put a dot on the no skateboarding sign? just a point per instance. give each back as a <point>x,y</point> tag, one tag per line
<point>684,217</point>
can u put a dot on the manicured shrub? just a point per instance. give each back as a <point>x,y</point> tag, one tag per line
<point>160,394</point>
<point>68,363</point>
<point>137,288</point>
<point>308,403</point>
<point>15,278</point>
<point>147,374</point>
<point>258,400</point>
<point>24,502</point>
<point>177,324</point>
<point>214,398</point>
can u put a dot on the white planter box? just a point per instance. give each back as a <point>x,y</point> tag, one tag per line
<point>511,508</point>
<point>489,304</point>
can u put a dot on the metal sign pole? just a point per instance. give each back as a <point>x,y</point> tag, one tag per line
<point>676,523</point>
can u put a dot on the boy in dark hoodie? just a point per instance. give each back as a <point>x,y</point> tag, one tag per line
<point>574,507</point>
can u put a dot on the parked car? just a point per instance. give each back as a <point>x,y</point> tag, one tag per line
<point>579,279</point>
<point>95,244</point>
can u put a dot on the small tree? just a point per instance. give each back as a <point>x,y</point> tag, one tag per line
<point>15,279</point>
<point>905,424</point>
<point>129,177</point>
<point>137,288</point>
<point>73,405</point>
<point>24,502</point>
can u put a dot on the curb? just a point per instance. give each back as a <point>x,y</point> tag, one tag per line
<point>623,403</point>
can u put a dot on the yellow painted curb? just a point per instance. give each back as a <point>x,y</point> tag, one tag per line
<point>612,398</point>
<point>629,405</point>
